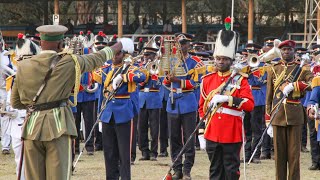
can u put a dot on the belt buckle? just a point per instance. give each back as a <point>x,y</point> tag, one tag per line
<point>179,90</point>
<point>146,90</point>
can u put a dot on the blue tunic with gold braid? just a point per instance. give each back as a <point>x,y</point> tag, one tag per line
<point>185,99</point>
<point>120,106</point>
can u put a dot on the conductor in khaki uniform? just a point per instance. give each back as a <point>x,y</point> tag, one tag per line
<point>49,126</point>
<point>289,119</point>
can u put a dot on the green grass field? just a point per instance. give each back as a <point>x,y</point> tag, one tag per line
<point>92,167</point>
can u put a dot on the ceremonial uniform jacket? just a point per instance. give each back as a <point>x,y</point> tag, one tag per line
<point>225,126</point>
<point>185,100</point>
<point>120,106</point>
<point>50,124</point>
<point>164,92</point>
<point>315,99</point>
<point>291,112</point>
<point>84,96</point>
<point>149,95</point>
<point>258,82</point>
<point>134,96</point>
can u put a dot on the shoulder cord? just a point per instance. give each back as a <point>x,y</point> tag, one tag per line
<point>76,81</point>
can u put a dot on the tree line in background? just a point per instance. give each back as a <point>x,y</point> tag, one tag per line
<point>267,12</point>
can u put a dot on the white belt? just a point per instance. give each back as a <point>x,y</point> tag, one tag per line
<point>146,89</point>
<point>232,112</point>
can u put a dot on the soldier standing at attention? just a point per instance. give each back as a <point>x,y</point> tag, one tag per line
<point>150,104</point>
<point>49,126</point>
<point>223,132</point>
<point>182,111</point>
<point>117,111</point>
<point>289,119</point>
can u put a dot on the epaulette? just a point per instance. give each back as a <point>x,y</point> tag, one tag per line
<point>195,58</point>
<point>315,81</point>
<point>214,72</point>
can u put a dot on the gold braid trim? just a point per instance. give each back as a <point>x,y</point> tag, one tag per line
<point>77,80</point>
<point>315,82</point>
<point>108,79</point>
<point>279,78</point>
<point>97,75</point>
<point>196,71</point>
<point>208,98</point>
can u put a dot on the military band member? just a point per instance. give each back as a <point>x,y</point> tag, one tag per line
<point>312,99</point>
<point>24,47</point>
<point>4,120</point>
<point>267,144</point>
<point>117,111</point>
<point>286,124</point>
<point>149,104</point>
<point>304,101</point>
<point>314,123</point>
<point>254,120</point>
<point>100,41</point>
<point>223,131</point>
<point>198,46</point>
<point>164,128</point>
<point>49,126</point>
<point>182,111</point>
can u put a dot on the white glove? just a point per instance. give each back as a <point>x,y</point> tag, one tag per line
<point>128,60</point>
<point>127,44</point>
<point>287,90</point>
<point>238,66</point>
<point>100,127</point>
<point>116,81</point>
<point>218,99</point>
<point>270,131</point>
<point>202,141</point>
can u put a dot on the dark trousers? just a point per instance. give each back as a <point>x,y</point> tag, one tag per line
<point>248,133</point>
<point>150,116</point>
<point>197,133</point>
<point>224,160</point>
<point>134,138</point>
<point>315,147</point>
<point>257,126</point>
<point>164,134</point>
<point>287,145</point>
<point>267,144</point>
<point>97,134</point>
<point>304,133</point>
<point>116,149</point>
<point>88,116</point>
<point>181,127</point>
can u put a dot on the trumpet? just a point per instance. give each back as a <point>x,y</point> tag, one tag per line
<point>253,60</point>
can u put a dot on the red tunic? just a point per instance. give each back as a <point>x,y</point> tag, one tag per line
<point>226,128</point>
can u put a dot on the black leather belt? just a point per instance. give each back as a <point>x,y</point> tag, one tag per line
<point>49,105</point>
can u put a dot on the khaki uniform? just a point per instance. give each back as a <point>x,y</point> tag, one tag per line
<point>48,133</point>
<point>291,116</point>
